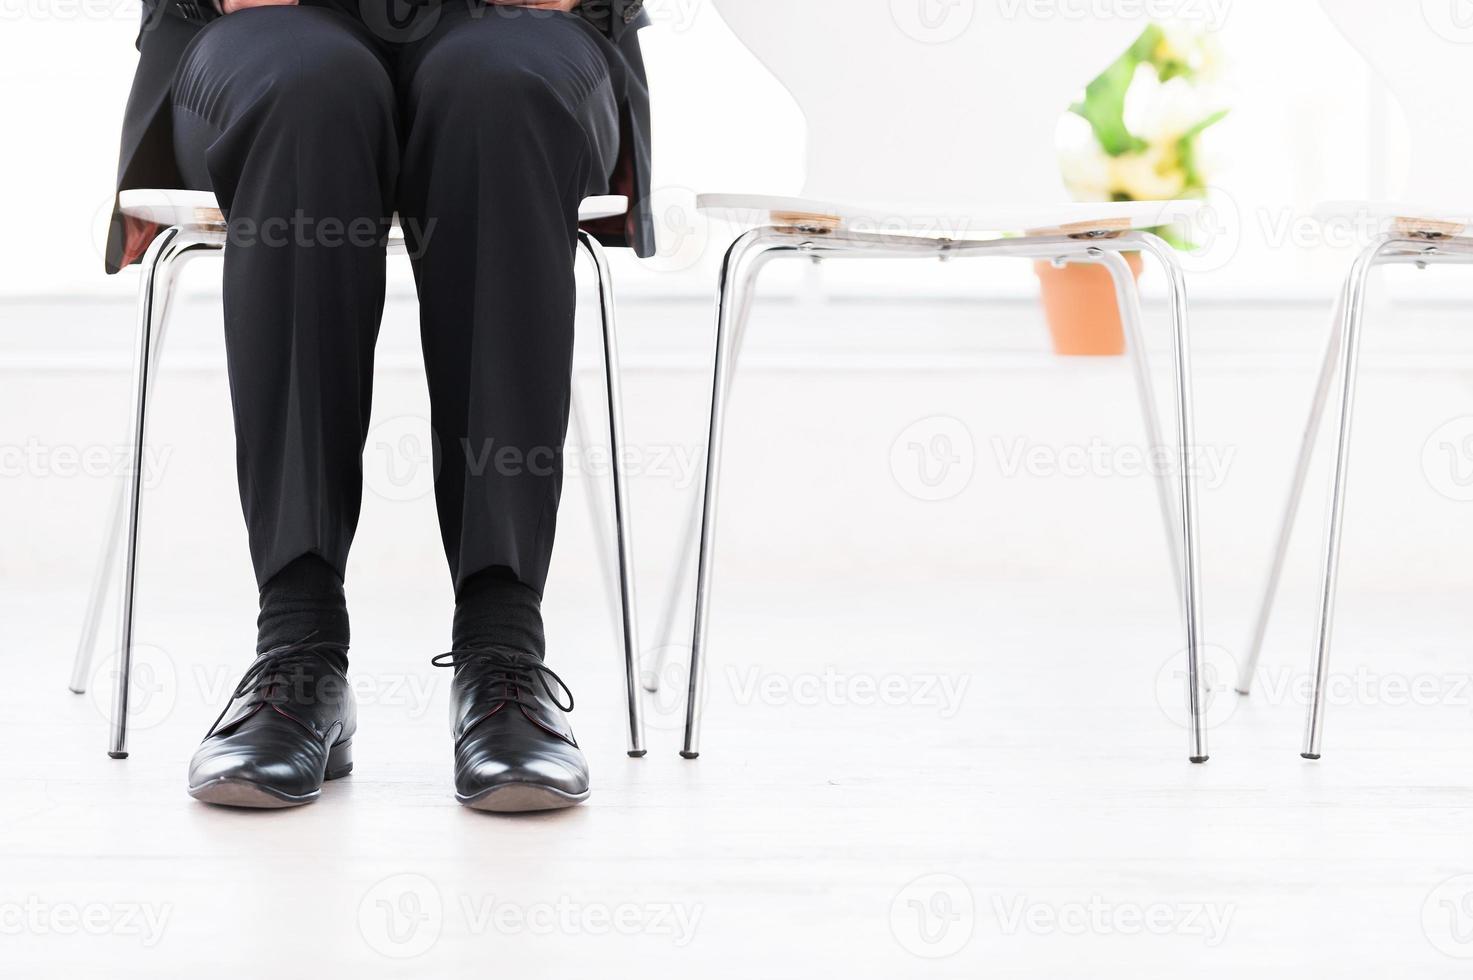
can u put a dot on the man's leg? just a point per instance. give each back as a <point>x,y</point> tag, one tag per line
<point>288,115</point>
<point>511,121</point>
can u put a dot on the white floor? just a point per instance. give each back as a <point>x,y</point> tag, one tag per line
<point>935,726</point>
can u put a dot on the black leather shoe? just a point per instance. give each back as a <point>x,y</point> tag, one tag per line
<point>288,726</point>
<point>514,750</point>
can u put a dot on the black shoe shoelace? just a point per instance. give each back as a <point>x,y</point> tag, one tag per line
<point>271,670</point>
<point>520,672</point>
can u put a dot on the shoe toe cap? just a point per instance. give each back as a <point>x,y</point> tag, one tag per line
<point>283,772</point>
<point>552,768</point>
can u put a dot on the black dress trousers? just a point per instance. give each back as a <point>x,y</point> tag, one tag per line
<point>483,128</point>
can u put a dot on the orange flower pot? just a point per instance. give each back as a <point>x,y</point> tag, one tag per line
<point>1083,314</point>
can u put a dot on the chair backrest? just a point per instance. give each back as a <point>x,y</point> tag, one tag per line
<point>932,100</point>
<point>1423,50</point>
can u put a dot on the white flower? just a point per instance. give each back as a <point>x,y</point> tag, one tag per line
<point>1152,175</point>
<point>1093,175</point>
<point>1162,113</point>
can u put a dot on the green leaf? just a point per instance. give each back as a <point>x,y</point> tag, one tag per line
<point>1103,107</point>
<point>1104,98</point>
<point>1186,150</point>
<point>1205,125</point>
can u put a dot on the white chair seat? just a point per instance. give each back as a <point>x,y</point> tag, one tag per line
<point>1381,216</point>
<point>956,222</point>
<point>199,209</point>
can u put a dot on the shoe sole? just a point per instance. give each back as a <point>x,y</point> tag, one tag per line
<point>521,798</point>
<point>248,795</point>
<point>245,794</point>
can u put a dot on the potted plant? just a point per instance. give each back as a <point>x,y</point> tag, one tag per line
<point>1135,136</point>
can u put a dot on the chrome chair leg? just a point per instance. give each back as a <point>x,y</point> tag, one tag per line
<point>1191,580</point>
<point>107,561</point>
<point>623,534</point>
<point>1249,669</point>
<point>738,276</point>
<point>1354,318</point>
<point>690,534</point>
<point>612,578</point>
<point>1128,297</point>
<point>160,272</point>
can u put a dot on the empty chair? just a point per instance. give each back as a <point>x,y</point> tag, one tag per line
<point>942,133</point>
<point>1416,49</point>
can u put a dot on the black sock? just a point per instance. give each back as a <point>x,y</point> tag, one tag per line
<point>493,608</point>
<point>304,602</point>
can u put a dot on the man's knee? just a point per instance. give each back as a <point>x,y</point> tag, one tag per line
<point>517,74</point>
<point>301,66</point>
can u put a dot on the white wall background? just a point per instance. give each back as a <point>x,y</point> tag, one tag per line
<point>1299,133</point>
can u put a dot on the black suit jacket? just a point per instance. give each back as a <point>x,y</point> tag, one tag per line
<point>147,158</point>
